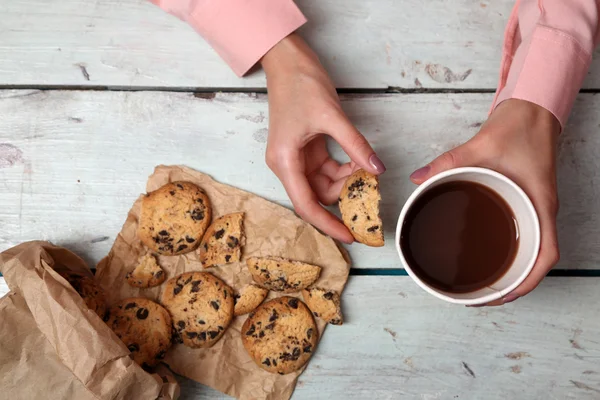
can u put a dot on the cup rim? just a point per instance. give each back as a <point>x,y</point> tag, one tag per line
<point>457,171</point>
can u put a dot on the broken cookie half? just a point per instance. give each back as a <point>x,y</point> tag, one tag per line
<point>222,243</point>
<point>147,273</point>
<point>324,304</point>
<point>359,205</point>
<point>281,275</point>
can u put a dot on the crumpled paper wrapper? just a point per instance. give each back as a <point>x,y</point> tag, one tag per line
<point>271,230</point>
<point>53,346</point>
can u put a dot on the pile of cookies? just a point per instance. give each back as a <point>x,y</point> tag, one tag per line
<point>197,307</point>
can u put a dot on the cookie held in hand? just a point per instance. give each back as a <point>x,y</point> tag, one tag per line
<point>222,243</point>
<point>147,273</point>
<point>324,304</point>
<point>281,275</point>
<point>280,335</point>
<point>89,290</point>
<point>201,306</point>
<point>249,298</point>
<point>174,218</point>
<point>359,205</point>
<point>145,328</point>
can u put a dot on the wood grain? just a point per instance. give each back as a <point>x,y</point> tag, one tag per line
<point>73,162</point>
<point>131,43</point>
<point>399,342</point>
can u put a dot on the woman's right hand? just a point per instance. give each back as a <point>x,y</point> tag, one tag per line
<point>303,108</point>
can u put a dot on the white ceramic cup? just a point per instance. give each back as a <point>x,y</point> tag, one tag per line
<point>527,224</point>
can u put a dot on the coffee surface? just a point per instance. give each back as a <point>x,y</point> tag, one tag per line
<point>459,237</point>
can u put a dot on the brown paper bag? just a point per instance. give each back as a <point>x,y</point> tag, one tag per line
<point>271,230</point>
<point>52,345</point>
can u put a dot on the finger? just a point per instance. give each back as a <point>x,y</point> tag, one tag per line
<point>455,158</point>
<point>308,208</point>
<point>355,145</point>
<point>328,181</point>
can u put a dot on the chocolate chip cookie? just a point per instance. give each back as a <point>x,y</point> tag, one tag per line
<point>147,273</point>
<point>281,275</point>
<point>249,298</point>
<point>223,240</point>
<point>144,327</point>
<point>89,290</point>
<point>201,306</point>
<point>324,304</point>
<point>174,218</point>
<point>280,335</point>
<point>359,205</point>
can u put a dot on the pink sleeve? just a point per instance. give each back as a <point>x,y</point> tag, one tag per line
<point>240,31</point>
<point>547,52</point>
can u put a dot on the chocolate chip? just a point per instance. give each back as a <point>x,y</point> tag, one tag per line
<point>176,337</point>
<point>182,247</point>
<point>142,313</point>
<point>219,234</point>
<point>201,322</point>
<point>307,349</point>
<point>220,327</point>
<point>133,347</point>
<point>185,309</point>
<point>261,334</point>
<point>198,214</point>
<point>293,303</point>
<point>232,242</point>
<point>251,331</point>
<point>205,246</point>
<point>181,324</point>
<point>227,258</point>
<point>146,366</point>
<point>188,280</point>
<point>368,217</point>
<point>158,274</point>
<point>309,333</point>
<point>274,362</point>
<point>267,362</point>
<point>163,233</point>
<point>296,353</point>
<point>270,326</point>
<point>373,228</point>
<point>202,335</point>
<point>328,295</point>
<point>191,335</point>
<point>274,316</point>
<point>280,373</point>
<point>213,334</point>
<point>236,298</point>
<point>172,192</point>
<point>355,217</point>
<point>177,290</point>
<point>316,314</point>
<point>336,321</point>
<point>215,305</point>
<point>130,305</point>
<point>161,355</point>
<point>195,286</point>
<point>189,239</point>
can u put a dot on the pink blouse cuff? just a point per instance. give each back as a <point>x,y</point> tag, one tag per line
<point>547,69</point>
<point>243,31</point>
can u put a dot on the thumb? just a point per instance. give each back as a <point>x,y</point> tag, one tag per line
<point>356,146</point>
<point>455,158</point>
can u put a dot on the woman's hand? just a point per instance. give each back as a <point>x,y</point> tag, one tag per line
<point>303,108</point>
<point>518,140</point>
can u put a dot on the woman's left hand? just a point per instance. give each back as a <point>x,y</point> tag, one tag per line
<point>518,140</point>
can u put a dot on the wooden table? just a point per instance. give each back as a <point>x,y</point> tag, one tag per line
<point>93,95</point>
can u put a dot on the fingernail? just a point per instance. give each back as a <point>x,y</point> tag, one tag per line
<point>377,164</point>
<point>420,173</point>
<point>510,297</point>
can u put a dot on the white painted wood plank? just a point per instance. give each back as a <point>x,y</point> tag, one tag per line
<point>72,163</point>
<point>399,342</point>
<point>363,43</point>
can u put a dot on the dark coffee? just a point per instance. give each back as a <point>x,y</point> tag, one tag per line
<point>459,237</point>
